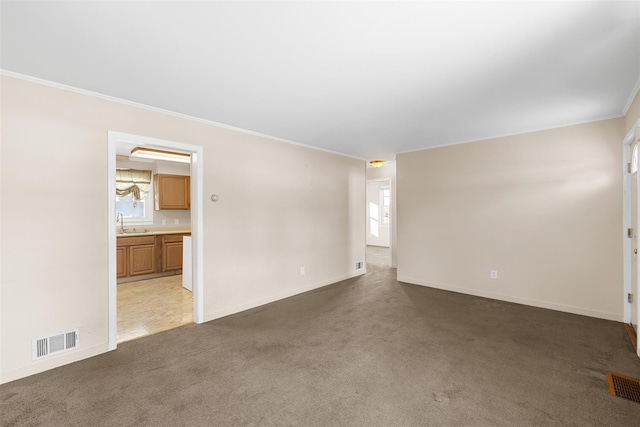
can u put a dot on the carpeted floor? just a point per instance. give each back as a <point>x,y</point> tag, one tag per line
<point>364,352</point>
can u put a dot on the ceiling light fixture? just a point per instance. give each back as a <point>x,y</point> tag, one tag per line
<point>376,163</point>
<point>155,154</point>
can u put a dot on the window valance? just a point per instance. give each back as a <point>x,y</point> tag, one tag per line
<point>134,182</point>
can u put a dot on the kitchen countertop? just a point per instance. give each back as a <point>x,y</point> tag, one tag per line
<point>140,231</point>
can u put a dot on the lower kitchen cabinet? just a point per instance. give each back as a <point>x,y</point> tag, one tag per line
<point>121,261</point>
<point>172,252</point>
<point>140,255</point>
<point>172,256</point>
<point>135,255</point>
<point>142,259</point>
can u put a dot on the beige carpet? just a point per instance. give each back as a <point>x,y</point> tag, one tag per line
<point>364,352</point>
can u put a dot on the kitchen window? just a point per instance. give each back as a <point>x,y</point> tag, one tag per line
<point>133,196</point>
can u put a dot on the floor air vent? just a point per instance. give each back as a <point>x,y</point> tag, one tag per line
<point>53,344</point>
<point>623,386</point>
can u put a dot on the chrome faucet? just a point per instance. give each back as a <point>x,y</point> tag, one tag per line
<point>120,217</point>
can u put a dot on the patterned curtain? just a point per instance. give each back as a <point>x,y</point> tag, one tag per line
<point>134,182</point>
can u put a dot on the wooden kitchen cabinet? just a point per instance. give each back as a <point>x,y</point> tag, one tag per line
<point>172,191</point>
<point>155,254</point>
<point>172,256</point>
<point>142,259</point>
<point>135,255</point>
<point>172,252</point>
<point>121,261</point>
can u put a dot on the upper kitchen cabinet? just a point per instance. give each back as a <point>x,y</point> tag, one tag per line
<point>172,191</point>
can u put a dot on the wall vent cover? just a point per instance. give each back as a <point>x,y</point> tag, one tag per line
<point>54,344</point>
<point>359,265</point>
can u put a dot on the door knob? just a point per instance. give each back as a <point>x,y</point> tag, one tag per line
<point>635,251</point>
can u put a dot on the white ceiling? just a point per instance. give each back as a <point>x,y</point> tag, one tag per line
<point>368,79</point>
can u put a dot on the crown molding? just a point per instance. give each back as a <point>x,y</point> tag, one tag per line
<point>468,141</point>
<point>102,96</point>
<point>98,95</point>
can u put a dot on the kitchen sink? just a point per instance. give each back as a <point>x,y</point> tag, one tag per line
<point>133,231</point>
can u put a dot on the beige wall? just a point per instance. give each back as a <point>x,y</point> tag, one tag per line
<point>544,209</point>
<point>633,114</point>
<point>281,207</point>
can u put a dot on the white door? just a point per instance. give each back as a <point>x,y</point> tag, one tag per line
<point>634,235</point>
<point>187,262</point>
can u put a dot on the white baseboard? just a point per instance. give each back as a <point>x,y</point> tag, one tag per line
<point>273,298</point>
<point>53,362</point>
<point>618,317</point>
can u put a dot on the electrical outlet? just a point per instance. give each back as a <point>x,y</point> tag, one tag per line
<point>177,222</point>
<point>494,274</point>
<point>302,271</point>
<point>164,222</point>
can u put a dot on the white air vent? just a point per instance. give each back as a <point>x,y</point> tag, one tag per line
<point>359,265</point>
<point>54,344</point>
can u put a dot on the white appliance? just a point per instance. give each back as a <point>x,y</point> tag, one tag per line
<point>187,265</point>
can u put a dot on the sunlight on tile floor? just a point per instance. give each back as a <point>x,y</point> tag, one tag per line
<point>150,306</point>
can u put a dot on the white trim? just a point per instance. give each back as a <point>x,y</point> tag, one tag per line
<point>634,93</point>
<point>626,224</point>
<point>163,111</point>
<point>55,361</point>
<point>196,221</point>
<point>448,144</point>
<point>628,287</point>
<point>516,300</point>
<point>287,141</point>
<point>197,230</point>
<point>277,297</point>
<point>626,219</point>
<point>111,238</point>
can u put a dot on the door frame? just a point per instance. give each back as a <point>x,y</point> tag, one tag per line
<point>630,138</point>
<point>196,221</point>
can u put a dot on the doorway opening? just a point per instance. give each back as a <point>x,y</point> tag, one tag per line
<point>155,242</point>
<point>379,211</point>
<point>153,222</point>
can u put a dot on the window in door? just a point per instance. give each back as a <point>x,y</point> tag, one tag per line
<point>385,196</point>
<point>374,212</point>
